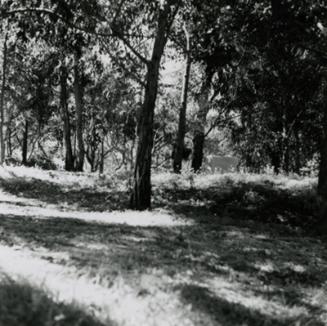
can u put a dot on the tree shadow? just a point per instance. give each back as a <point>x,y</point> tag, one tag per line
<point>230,313</point>
<point>224,241</point>
<point>25,305</point>
<point>237,201</point>
<point>52,193</point>
<point>118,248</point>
<point>291,297</point>
<point>242,201</point>
<point>106,249</point>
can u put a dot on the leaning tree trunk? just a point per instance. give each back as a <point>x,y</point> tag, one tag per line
<point>2,98</point>
<point>69,158</point>
<point>79,93</point>
<point>141,193</point>
<point>179,144</point>
<point>201,118</point>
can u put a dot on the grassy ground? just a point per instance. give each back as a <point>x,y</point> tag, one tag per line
<point>217,250</point>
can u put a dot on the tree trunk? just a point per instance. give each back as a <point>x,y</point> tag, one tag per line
<point>69,158</point>
<point>25,143</point>
<point>79,93</point>
<point>141,193</point>
<point>286,157</point>
<point>322,179</point>
<point>322,183</point>
<point>179,144</point>
<point>9,144</point>
<point>297,159</point>
<point>2,98</point>
<point>275,161</point>
<point>199,132</point>
<point>101,165</point>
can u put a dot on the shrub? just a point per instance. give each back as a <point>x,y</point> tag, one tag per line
<point>42,162</point>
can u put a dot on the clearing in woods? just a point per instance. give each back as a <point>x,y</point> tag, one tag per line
<point>231,249</point>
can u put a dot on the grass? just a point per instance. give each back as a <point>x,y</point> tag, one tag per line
<point>23,304</point>
<point>230,249</point>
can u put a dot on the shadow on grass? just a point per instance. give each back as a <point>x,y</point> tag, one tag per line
<point>110,249</point>
<point>52,193</point>
<point>24,305</point>
<point>105,249</point>
<point>230,313</point>
<point>222,242</point>
<point>237,255</point>
<point>242,201</point>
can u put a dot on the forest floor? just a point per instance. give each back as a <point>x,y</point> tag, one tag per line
<point>232,249</point>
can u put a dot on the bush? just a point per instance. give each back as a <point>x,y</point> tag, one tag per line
<point>42,162</point>
<point>12,161</point>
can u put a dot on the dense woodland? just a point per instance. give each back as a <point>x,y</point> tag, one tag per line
<point>142,85</point>
<point>113,112</point>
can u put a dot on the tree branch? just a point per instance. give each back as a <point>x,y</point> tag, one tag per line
<point>121,65</point>
<point>129,46</point>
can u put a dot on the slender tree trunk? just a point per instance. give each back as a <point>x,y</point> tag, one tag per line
<point>199,132</point>
<point>141,193</point>
<point>92,163</point>
<point>101,165</point>
<point>297,159</point>
<point>9,133</point>
<point>25,143</point>
<point>2,98</point>
<point>322,183</point>
<point>69,158</point>
<point>322,179</point>
<point>179,144</point>
<point>275,161</point>
<point>8,137</point>
<point>286,157</point>
<point>131,167</point>
<point>79,93</point>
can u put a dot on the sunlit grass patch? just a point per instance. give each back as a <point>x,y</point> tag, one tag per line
<point>63,178</point>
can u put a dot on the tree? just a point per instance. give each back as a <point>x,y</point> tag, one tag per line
<point>59,25</point>
<point>141,194</point>
<point>201,118</point>
<point>322,180</point>
<point>179,146</point>
<point>69,158</point>
<point>2,99</point>
<point>215,48</point>
<point>79,107</point>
